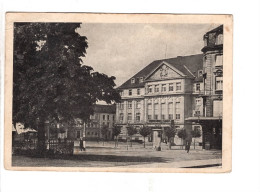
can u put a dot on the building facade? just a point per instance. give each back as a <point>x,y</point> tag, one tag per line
<point>212,96</point>
<point>104,116</point>
<point>186,89</point>
<point>163,91</point>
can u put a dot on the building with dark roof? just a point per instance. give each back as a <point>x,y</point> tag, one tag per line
<point>163,91</point>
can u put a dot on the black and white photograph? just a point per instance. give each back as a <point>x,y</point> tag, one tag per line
<point>119,96</point>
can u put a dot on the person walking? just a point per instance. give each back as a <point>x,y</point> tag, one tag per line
<point>81,147</point>
<point>188,142</point>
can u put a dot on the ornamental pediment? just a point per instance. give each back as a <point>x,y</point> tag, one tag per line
<point>164,71</point>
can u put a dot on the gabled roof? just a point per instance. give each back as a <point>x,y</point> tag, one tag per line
<point>105,109</point>
<point>188,65</point>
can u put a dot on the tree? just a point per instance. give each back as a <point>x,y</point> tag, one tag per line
<point>145,131</point>
<point>116,132</point>
<point>49,80</point>
<point>131,130</point>
<point>195,134</point>
<point>170,133</point>
<point>104,132</point>
<point>182,134</point>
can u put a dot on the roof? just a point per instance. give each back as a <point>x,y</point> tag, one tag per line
<point>105,109</point>
<point>185,64</point>
<point>217,29</point>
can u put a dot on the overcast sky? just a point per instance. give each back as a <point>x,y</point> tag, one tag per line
<point>121,50</point>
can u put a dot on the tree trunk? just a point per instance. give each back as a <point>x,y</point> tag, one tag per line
<point>144,142</point>
<point>41,148</point>
<point>130,141</point>
<point>169,143</point>
<point>194,142</point>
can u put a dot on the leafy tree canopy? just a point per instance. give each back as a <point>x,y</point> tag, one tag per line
<point>145,131</point>
<point>131,130</point>
<point>49,79</point>
<point>170,132</point>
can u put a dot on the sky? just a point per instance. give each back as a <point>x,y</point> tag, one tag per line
<point>122,50</point>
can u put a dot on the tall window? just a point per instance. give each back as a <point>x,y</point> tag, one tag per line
<point>121,117</point>
<point>170,107</point>
<point>156,111</point>
<point>197,86</point>
<point>163,111</point>
<point>141,79</point>
<point>121,105</point>
<point>137,117</point>
<point>130,92</point>
<point>177,110</point>
<point>107,117</point>
<point>219,60</point>
<point>171,87</point>
<point>156,88</point>
<point>150,89</point>
<point>129,104</point>
<point>219,39</point>
<point>178,86</point>
<point>104,117</point>
<point>138,104</point>
<point>129,116</point>
<point>149,111</point>
<point>163,87</point>
<point>138,91</point>
<point>219,83</point>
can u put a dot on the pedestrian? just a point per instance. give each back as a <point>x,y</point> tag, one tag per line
<point>81,144</point>
<point>188,143</point>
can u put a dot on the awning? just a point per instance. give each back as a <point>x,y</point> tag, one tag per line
<point>203,118</point>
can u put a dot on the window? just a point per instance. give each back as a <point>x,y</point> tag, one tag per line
<point>177,110</point>
<point>104,117</point>
<point>121,93</point>
<point>138,91</point>
<point>121,117</point>
<point>113,117</point>
<point>137,117</point>
<point>217,108</point>
<point>171,87</point>
<point>163,110</point>
<point>219,60</point>
<point>156,88</point>
<point>107,124</point>
<point>107,117</point>
<point>149,111</point>
<point>133,80</point>
<point>178,86</point>
<point>150,89</point>
<point>156,111</point>
<point>200,73</point>
<point>197,86</point>
<point>130,92</point>
<point>129,116</point>
<point>141,79</point>
<point>170,111</point>
<point>121,105</point>
<point>219,83</point>
<point>163,87</point>
<point>78,134</point>
<point>129,104</point>
<point>138,104</point>
<point>219,39</point>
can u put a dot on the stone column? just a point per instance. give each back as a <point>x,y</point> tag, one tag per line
<point>166,105</point>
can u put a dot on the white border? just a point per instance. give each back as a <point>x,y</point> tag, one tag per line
<point>245,173</point>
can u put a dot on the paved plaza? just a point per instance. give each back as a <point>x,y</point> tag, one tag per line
<point>105,155</point>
